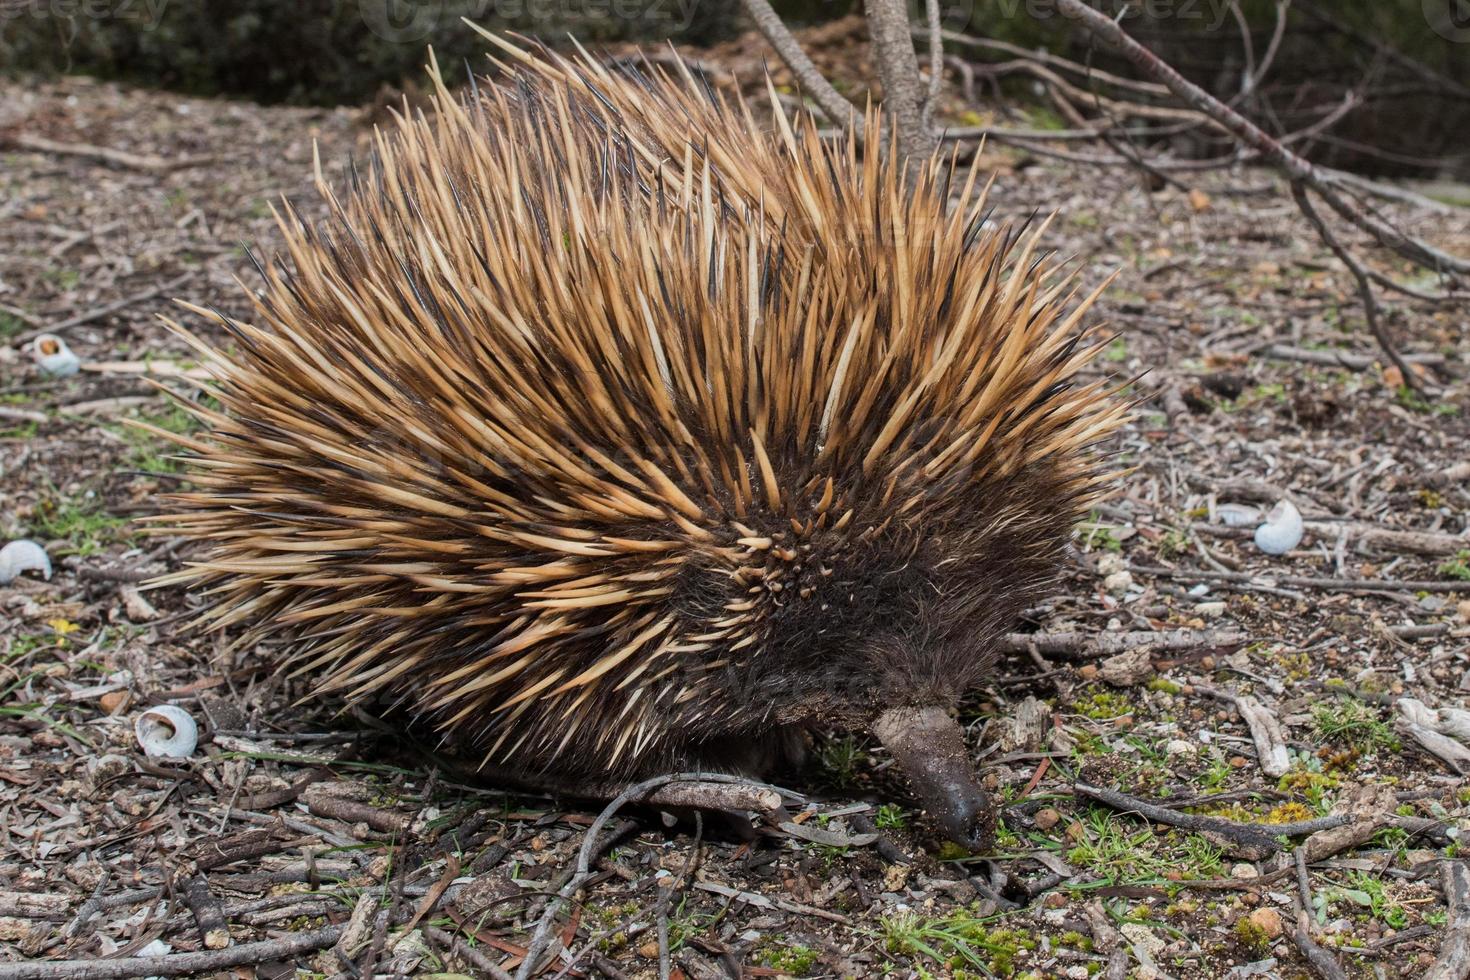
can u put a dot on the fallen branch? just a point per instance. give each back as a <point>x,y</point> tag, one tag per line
<point>1081,646</point>
<point>147,163</point>
<point>175,964</point>
<point>590,846</point>
<point>1361,536</point>
<point>107,309</point>
<point>1453,961</point>
<point>1323,963</point>
<point>1301,581</point>
<point>1252,841</point>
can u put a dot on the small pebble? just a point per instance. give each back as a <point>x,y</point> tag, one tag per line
<point>1268,920</point>
<point>1046,819</point>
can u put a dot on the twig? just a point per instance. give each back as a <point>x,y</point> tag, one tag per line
<point>1365,286</point>
<point>1322,962</point>
<point>1453,961</point>
<point>1266,733</point>
<point>208,911</point>
<point>1251,841</point>
<point>468,953</point>
<point>148,163</point>
<point>107,309</point>
<point>1248,133</point>
<point>1340,358</point>
<point>174,964</point>
<point>1079,645</point>
<point>832,103</point>
<point>590,846</point>
<point>22,415</point>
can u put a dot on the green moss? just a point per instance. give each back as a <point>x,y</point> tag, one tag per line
<point>1103,705</point>
<point>1164,686</point>
<point>791,961</point>
<point>1251,936</point>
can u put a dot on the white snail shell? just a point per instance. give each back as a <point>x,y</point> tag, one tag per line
<point>53,357</point>
<point>23,556</point>
<point>166,732</point>
<point>1282,529</point>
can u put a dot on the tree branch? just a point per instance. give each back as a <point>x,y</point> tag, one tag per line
<point>832,103</point>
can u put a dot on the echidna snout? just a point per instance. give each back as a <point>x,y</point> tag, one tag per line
<point>930,747</point>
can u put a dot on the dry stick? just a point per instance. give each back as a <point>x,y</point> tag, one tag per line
<point>1341,358</point>
<point>98,312</point>
<point>209,913</point>
<point>1365,285</point>
<point>898,70</point>
<point>174,964</point>
<point>1257,838</point>
<point>1453,961</point>
<point>832,103</point>
<point>1080,645</point>
<point>148,163</point>
<point>1323,963</point>
<point>1298,169</point>
<point>589,846</point>
<point>1302,581</point>
<point>468,953</point>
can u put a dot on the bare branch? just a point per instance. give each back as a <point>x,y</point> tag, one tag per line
<point>1365,285</point>
<point>832,103</point>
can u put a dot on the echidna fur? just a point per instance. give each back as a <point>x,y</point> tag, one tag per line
<point>607,430</point>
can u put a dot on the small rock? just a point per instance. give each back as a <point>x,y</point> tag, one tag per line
<point>1177,746</point>
<point>1268,921</point>
<point>113,701</point>
<point>1243,871</point>
<point>1118,582</point>
<point>1087,672</point>
<point>1110,563</point>
<point>649,950</point>
<point>1210,610</point>
<point>1046,819</point>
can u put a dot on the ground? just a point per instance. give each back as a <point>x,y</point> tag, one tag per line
<point>294,818</point>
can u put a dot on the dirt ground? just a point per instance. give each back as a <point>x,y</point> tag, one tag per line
<point>349,850</point>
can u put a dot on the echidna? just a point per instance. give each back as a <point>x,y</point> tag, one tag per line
<point>609,431</point>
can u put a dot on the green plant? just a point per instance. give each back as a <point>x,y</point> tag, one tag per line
<point>1115,853</point>
<point>792,961</point>
<point>890,816</point>
<point>1457,567</point>
<point>80,521</point>
<point>957,939</point>
<point>839,757</point>
<point>1349,721</point>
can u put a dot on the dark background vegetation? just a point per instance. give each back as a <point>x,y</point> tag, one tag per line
<point>1416,82</point>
